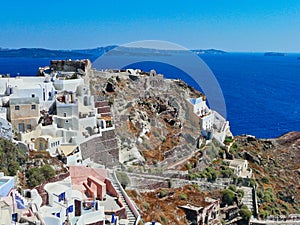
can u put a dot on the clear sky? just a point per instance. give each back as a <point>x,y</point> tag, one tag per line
<point>241,25</point>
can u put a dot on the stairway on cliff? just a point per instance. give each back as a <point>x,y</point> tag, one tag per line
<point>130,216</point>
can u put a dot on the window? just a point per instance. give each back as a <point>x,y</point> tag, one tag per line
<point>33,107</point>
<point>67,121</point>
<point>17,107</point>
<point>28,126</point>
<point>21,127</point>
<point>32,95</point>
<point>65,114</point>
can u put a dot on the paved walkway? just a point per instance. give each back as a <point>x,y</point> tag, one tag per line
<point>248,197</point>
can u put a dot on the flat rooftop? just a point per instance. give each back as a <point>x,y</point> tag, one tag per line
<point>110,203</point>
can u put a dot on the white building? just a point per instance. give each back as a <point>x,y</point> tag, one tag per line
<point>200,113</point>
<point>240,168</point>
<point>210,121</point>
<point>28,87</point>
<point>70,85</point>
<point>221,127</point>
<point>60,203</point>
<point>72,153</point>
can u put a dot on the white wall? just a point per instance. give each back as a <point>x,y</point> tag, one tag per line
<point>69,85</point>
<point>26,87</point>
<point>206,122</point>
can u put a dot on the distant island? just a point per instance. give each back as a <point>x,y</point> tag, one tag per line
<point>209,51</point>
<point>82,53</point>
<point>47,53</point>
<point>274,54</point>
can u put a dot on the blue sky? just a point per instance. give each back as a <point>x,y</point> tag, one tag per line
<point>257,25</point>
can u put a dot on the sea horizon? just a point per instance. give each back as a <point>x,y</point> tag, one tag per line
<point>264,79</point>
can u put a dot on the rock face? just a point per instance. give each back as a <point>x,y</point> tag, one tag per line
<point>275,163</point>
<point>151,116</point>
<point>156,136</point>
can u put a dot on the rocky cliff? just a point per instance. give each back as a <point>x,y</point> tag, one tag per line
<point>156,136</point>
<point>151,117</point>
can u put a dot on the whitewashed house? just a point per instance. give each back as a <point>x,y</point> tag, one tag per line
<point>211,123</point>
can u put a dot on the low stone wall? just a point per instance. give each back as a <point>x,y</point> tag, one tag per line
<point>102,149</point>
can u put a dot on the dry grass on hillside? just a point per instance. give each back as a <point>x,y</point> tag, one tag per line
<point>161,205</point>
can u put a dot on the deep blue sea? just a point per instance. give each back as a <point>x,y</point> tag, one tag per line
<point>262,93</point>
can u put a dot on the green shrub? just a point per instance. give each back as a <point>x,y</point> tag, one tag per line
<point>146,205</point>
<point>226,172</point>
<point>197,187</point>
<point>228,140</point>
<point>232,187</point>
<point>163,193</point>
<point>211,174</point>
<point>34,177</point>
<point>263,214</point>
<point>259,193</point>
<point>11,157</point>
<point>123,179</point>
<point>164,219</point>
<point>252,182</point>
<point>240,193</point>
<point>228,197</point>
<point>183,196</point>
<point>265,180</point>
<point>37,176</point>
<point>285,206</point>
<point>188,166</point>
<point>47,171</point>
<point>268,195</point>
<point>111,101</point>
<point>192,176</point>
<point>245,213</point>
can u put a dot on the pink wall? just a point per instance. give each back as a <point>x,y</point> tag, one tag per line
<point>97,186</point>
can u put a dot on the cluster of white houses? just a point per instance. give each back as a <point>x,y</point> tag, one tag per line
<point>86,197</point>
<point>54,112</point>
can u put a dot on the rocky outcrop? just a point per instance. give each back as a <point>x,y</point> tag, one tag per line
<point>70,65</point>
<point>151,116</point>
<point>275,164</point>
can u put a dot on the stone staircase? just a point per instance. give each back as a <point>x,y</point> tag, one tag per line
<point>130,216</point>
<point>248,197</point>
